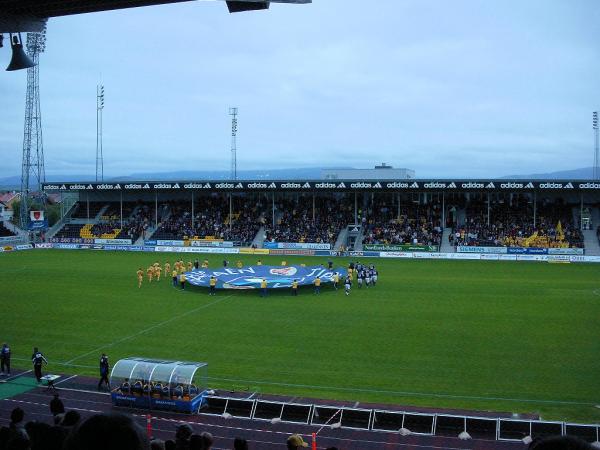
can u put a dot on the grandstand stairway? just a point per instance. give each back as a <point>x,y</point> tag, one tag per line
<point>15,229</point>
<point>342,238</point>
<point>358,244</point>
<point>259,238</point>
<point>590,238</point>
<point>446,247</point>
<point>590,241</point>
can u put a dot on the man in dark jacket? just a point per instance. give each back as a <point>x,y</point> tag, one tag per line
<point>104,367</point>
<point>5,359</point>
<point>37,358</point>
<point>56,406</point>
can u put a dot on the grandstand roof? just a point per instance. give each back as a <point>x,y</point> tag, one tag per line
<point>30,15</point>
<point>429,185</point>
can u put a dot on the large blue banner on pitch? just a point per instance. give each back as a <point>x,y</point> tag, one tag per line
<point>275,276</point>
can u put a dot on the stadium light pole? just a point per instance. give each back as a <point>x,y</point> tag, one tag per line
<point>596,170</point>
<point>233,112</point>
<point>99,155</point>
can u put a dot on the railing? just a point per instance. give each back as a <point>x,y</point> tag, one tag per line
<point>390,421</point>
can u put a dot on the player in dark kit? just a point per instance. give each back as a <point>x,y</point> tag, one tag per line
<point>5,359</point>
<point>104,366</point>
<point>38,358</point>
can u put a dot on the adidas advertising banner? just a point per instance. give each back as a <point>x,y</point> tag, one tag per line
<point>252,277</point>
<point>294,245</point>
<point>331,186</point>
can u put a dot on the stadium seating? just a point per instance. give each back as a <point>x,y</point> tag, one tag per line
<point>211,221</point>
<point>417,224</point>
<point>69,231</point>
<point>511,225</point>
<point>296,222</point>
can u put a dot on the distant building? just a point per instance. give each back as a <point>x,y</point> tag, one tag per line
<point>382,172</point>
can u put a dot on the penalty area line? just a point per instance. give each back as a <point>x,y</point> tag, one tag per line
<point>146,330</point>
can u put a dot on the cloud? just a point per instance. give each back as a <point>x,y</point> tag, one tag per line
<point>472,88</point>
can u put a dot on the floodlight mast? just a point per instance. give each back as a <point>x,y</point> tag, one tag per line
<point>233,112</point>
<point>32,170</point>
<point>596,170</point>
<point>99,155</point>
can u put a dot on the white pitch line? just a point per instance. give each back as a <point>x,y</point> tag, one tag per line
<point>404,393</point>
<point>146,330</point>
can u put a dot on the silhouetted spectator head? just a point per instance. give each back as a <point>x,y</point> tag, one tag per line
<point>71,419</point>
<point>17,415</point>
<point>183,432</point>
<point>55,438</point>
<point>157,444</point>
<point>559,443</point>
<point>295,441</point>
<point>196,442</point>
<point>37,432</point>
<point>207,441</point>
<point>108,432</point>
<point>240,444</point>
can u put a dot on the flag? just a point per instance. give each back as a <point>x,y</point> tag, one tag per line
<point>36,216</point>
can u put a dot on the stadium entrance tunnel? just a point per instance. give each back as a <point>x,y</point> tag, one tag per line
<point>159,384</point>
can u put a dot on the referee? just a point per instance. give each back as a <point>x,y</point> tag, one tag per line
<point>37,359</point>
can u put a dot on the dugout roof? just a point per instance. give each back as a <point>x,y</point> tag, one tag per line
<point>418,185</point>
<point>156,371</point>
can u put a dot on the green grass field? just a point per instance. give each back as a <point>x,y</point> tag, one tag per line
<point>503,336</point>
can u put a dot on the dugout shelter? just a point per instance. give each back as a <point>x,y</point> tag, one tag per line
<point>158,384</point>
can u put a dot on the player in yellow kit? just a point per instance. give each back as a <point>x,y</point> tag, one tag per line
<point>174,275</point>
<point>190,265</point>
<point>167,269</point>
<point>263,288</point>
<point>205,264</point>
<point>336,280</point>
<point>140,275</point>
<point>259,263</point>
<point>239,264</point>
<point>213,285</point>
<point>317,285</point>
<point>150,273</point>
<point>295,288</point>
<point>157,271</point>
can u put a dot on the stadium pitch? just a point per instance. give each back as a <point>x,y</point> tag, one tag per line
<point>482,335</point>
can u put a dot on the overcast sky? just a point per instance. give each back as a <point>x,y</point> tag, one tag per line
<point>463,88</point>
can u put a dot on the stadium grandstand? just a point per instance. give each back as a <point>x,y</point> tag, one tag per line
<point>384,215</point>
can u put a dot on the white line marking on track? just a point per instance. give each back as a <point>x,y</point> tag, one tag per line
<point>146,330</point>
<point>66,379</point>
